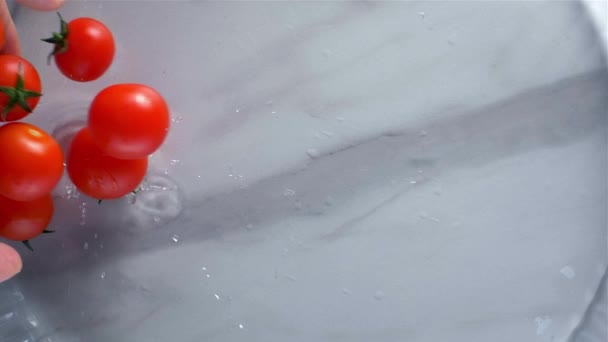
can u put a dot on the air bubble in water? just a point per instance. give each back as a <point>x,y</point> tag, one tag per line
<point>542,324</point>
<point>568,272</point>
<point>177,118</point>
<point>379,295</point>
<point>102,275</point>
<point>85,246</point>
<point>175,238</point>
<point>313,153</point>
<point>83,213</point>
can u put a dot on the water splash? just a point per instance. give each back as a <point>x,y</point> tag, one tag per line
<point>159,199</point>
<point>83,213</point>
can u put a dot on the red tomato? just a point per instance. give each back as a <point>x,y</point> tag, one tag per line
<point>129,121</point>
<point>19,87</point>
<point>2,36</point>
<point>31,162</point>
<point>99,175</point>
<point>21,221</point>
<point>84,49</point>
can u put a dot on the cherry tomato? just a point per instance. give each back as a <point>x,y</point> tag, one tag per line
<point>19,87</point>
<point>2,37</point>
<point>22,221</point>
<point>31,162</point>
<point>129,121</point>
<point>84,49</point>
<point>101,176</point>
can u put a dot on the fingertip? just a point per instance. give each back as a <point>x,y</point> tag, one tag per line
<point>42,5</point>
<point>10,37</point>
<point>10,262</point>
<point>11,44</point>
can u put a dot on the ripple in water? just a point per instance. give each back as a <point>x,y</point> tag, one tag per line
<point>159,199</point>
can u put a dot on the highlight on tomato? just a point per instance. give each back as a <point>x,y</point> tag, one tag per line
<point>98,175</point>
<point>31,162</point>
<point>83,48</point>
<point>20,87</point>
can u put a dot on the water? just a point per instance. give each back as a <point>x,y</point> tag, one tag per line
<point>542,324</point>
<point>83,214</point>
<point>568,272</point>
<point>159,199</point>
<point>177,118</point>
<point>313,153</point>
<point>379,295</point>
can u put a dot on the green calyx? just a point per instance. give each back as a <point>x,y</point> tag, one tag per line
<point>17,95</point>
<point>58,39</point>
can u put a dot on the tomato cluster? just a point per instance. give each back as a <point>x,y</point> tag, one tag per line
<point>107,159</point>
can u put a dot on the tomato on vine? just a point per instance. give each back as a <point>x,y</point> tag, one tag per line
<point>20,87</point>
<point>83,48</point>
